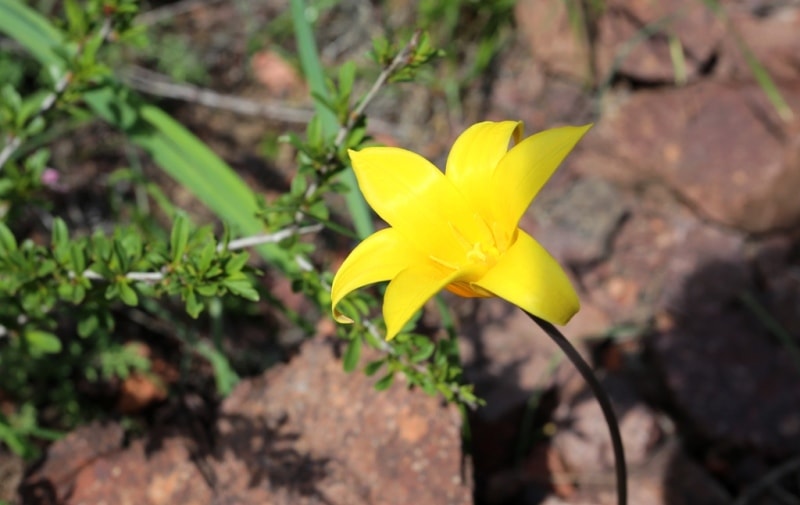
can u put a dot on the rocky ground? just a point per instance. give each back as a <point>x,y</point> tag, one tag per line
<point>678,217</point>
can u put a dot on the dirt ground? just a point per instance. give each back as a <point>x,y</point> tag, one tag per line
<point>678,217</point>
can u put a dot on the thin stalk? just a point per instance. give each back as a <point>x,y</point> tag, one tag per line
<point>602,398</point>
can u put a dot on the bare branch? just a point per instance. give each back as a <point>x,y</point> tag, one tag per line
<point>157,84</point>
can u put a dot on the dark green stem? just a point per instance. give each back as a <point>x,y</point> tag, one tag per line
<point>602,398</point>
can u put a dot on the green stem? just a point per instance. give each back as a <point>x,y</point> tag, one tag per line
<point>602,398</point>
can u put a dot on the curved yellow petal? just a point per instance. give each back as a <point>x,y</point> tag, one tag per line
<point>409,291</point>
<point>530,278</point>
<point>380,257</point>
<point>522,172</point>
<point>414,197</point>
<point>474,157</point>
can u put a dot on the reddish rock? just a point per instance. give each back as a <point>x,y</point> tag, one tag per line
<point>307,432</point>
<point>772,40</point>
<point>556,42</point>
<point>303,433</point>
<point>668,477</point>
<point>55,478</point>
<point>137,476</point>
<point>12,468</point>
<point>726,371</point>
<point>505,355</point>
<point>656,249</point>
<point>744,176</point>
<point>624,47</point>
<point>578,221</point>
<point>582,436</point>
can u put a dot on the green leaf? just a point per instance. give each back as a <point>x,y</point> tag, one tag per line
<point>373,366</point>
<point>224,375</point>
<point>11,98</point>
<point>241,287</point>
<point>424,349</point>
<point>128,295</point>
<point>206,256</point>
<point>352,354</point>
<point>77,257</point>
<point>236,263</point>
<point>179,237</point>
<point>88,325</point>
<point>8,243</point>
<point>207,290</point>
<point>347,76</point>
<point>384,382</point>
<point>60,235</point>
<point>193,306</point>
<point>42,342</point>
<point>76,18</point>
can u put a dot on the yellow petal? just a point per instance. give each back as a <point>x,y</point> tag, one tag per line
<point>415,198</point>
<point>409,291</point>
<point>475,155</point>
<point>530,278</point>
<point>522,172</point>
<point>380,257</point>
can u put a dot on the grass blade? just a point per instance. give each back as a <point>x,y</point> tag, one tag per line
<point>312,68</point>
<point>31,30</point>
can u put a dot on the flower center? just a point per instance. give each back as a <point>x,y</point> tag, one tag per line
<point>480,253</point>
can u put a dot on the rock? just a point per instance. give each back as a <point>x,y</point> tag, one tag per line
<point>307,432</point>
<point>668,477</point>
<point>726,371</point>
<point>720,147</point>
<point>54,479</point>
<point>577,223</point>
<point>302,433</point>
<point>772,40</point>
<point>659,246</point>
<point>558,44</point>
<point>624,46</point>
<point>524,91</point>
<point>137,476</point>
<point>12,468</point>
<point>505,355</point>
<point>582,437</point>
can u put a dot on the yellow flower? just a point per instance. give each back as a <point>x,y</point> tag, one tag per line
<point>458,230</point>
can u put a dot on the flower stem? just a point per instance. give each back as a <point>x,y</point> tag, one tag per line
<point>602,398</point>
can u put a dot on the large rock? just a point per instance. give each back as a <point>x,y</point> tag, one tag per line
<point>722,357</point>
<point>556,41</point>
<point>720,147</point>
<point>771,39</point>
<point>302,433</point>
<point>637,39</point>
<point>668,477</point>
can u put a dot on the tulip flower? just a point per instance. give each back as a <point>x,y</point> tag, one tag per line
<point>458,230</point>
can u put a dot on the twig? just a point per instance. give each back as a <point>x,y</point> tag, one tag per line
<point>169,11</point>
<point>271,238</point>
<point>157,84</point>
<point>234,245</point>
<point>13,141</point>
<point>399,60</point>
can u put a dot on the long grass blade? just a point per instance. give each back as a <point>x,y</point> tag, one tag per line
<point>312,68</point>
